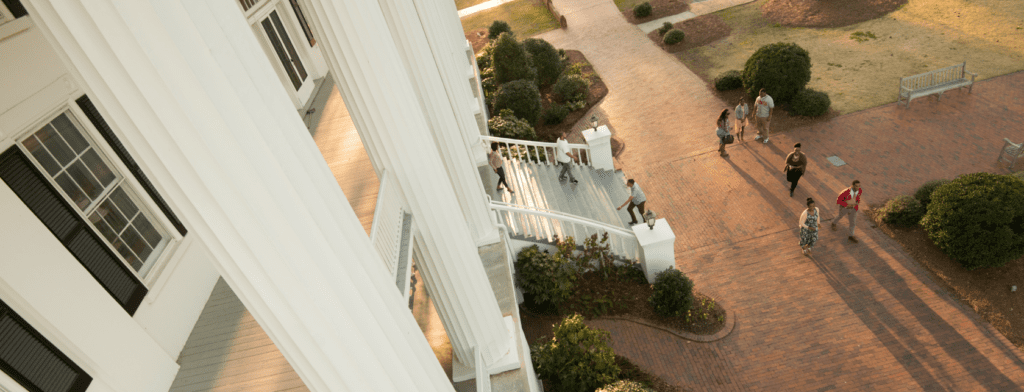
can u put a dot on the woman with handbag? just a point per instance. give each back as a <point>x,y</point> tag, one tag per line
<point>723,133</point>
<point>796,164</point>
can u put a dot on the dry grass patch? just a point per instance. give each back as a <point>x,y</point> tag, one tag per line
<point>462,4</point>
<point>859,72</point>
<point>526,17</point>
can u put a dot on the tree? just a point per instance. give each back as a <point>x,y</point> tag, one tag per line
<point>510,60</point>
<point>783,69</point>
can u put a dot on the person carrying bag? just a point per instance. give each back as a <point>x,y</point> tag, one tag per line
<point>724,137</point>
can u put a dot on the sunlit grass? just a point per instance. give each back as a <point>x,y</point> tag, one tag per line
<point>460,4</point>
<point>526,17</point>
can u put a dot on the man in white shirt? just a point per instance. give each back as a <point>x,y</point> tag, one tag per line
<point>764,105</point>
<point>636,199</point>
<point>564,156</point>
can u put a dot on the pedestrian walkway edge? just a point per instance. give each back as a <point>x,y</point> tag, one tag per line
<point>730,323</point>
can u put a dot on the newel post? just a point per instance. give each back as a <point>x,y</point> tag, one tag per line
<point>657,245</point>
<point>600,142</point>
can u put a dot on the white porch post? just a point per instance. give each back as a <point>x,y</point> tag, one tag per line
<point>196,101</point>
<point>367,65</point>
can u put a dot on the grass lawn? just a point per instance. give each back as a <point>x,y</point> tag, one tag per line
<point>460,4</point>
<point>526,17</point>
<point>862,73</point>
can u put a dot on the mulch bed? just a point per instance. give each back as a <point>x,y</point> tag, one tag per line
<point>662,8</point>
<point>826,13</point>
<point>699,31</point>
<point>478,39</point>
<point>985,290</point>
<point>550,133</point>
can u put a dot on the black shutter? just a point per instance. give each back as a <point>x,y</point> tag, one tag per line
<point>16,8</point>
<point>302,21</point>
<point>71,229</point>
<point>101,125</point>
<point>33,361</point>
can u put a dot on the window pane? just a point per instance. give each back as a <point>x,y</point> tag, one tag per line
<point>127,254</point>
<point>43,156</point>
<point>71,189</point>
<point>135,242</point>
<point>122,202</point>
<point>56,145</point>
<point>70,133</point>
<point>103,227</point>
<point>112,216</point>
<point>147,230</point>
<point>99,169</point>
<point>85,180</point>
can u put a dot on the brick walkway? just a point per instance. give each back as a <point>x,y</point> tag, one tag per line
<point>856,317</point>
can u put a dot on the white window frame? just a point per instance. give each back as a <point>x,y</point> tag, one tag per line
<point>163,251</point>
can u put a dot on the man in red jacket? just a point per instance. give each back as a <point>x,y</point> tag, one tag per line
<point>849,204</point>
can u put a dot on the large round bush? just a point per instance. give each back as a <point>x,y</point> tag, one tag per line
<point>555,114</point>
<point>571,87</point>
<point>810,103</point>
<point>483,59</point>
<point>902,210</point>
<point>978,219</point>
<point>510,60</point>
<point>673,37</point>
<point>546,278</point>
<point>625,386</point>
<point>673,293</point>
<point>576,359</point>
<point>498,27</point>
<point>520,96</point>
<point>643,10</point>
<point>924,193</point>
<point>507,125</point>
<point>730,80</point>
<point>783,69</point>
<point>545,58</point>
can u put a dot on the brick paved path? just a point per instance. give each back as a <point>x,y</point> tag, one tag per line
<point>856,317</point>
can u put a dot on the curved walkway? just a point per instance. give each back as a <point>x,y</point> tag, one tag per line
<point>856,317</point>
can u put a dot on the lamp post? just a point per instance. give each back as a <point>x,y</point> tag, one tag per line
<point>649,217</point>
<point>593,121</point>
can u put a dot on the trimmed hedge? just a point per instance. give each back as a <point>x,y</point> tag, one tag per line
<point>783,69</point>
<point>576,359</point>
<point>730,80</point>
<point>507,125</point>
<point>520,96</point>
<point>810,103</point>
<point>924,193</point>
<point>673,37</point>
<point>978,219</point>
<point>643,10</point>
<point>555,114</point>
<point>571,87</point>
<point>547,278</point>
<point>510,60</point>
<point>545,58</point>
<point>902,210</point>
<point>497,28</point>
<point>625,386</point>
<point>665,27</point>
<point>673,293</point>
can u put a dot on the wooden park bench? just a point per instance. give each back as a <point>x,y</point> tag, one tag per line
<point>1011,152</point>
<point>935,82</point>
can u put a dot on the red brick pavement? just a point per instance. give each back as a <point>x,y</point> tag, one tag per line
<point>858,316</point>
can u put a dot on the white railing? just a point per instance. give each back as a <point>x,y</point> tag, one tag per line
<point>548,225</point>
<point>483,377</point>
<point>537,152</point>
<point>386,230</point>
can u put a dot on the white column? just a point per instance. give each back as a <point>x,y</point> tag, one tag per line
<point>600,142</point>
<point>368,68</point>
<point>658,251</point>
<point>187,85</point>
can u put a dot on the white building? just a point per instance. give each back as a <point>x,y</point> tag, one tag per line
<point>149,148</point>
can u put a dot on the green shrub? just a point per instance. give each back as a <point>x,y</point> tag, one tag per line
<point>665,27</point>
<point>924,193</point>
<point>545,58</point>
<point>783,69</point>
<point>510,60</point>
<point>555,114</point>
<point>1019,175</point>
<point>522,97</point>
<point>673,293</point>
<point>643,10</point>
<point>810,103</point>
<point>490,88</point>
<point>577,359</point>
<point>730,80</point>
<point>978,219</point>
<point>624,386</point>
<point>498,27</point>
<point>483,59</point>
<point>507,125</point>
<point>673,37</point>
<point>544,276</point>
<point>571,87</point>
<point>902,210</point>
<point>574,69</point>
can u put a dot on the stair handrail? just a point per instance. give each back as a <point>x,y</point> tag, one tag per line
<point>502,206</point>
<point>582,150</point>
<point>386,213</point>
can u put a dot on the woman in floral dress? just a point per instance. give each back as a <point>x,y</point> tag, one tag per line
<point>809,227</point>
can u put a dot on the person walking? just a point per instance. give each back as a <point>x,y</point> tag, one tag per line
<point>565,156</point>
<point>809,227</point>
<point>497,164</point>
<point>849,204</point>
<point>722,132</point>
<point>636,199</point>
<point>742,114</point>
<point>796,164</point>
<point>764,105</point>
